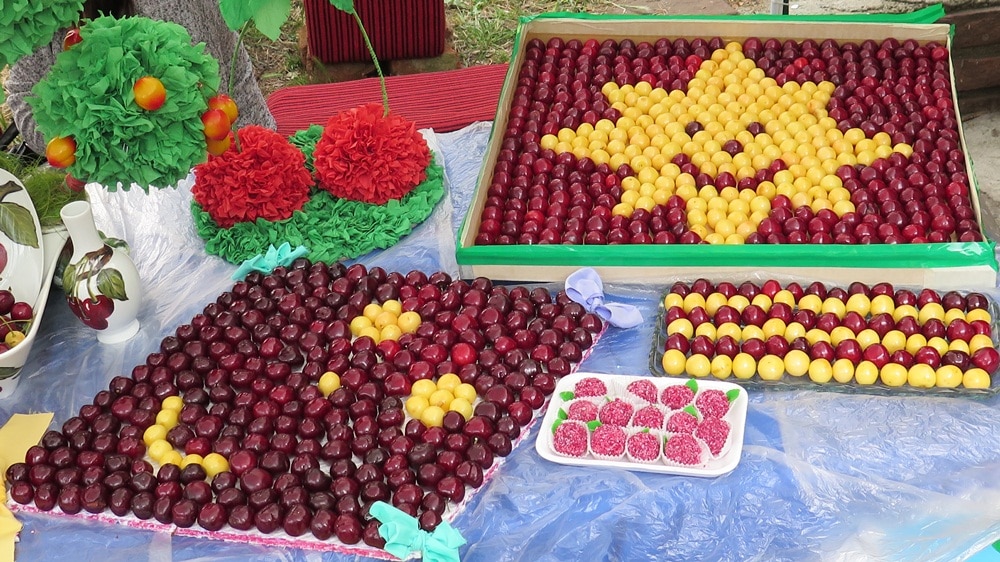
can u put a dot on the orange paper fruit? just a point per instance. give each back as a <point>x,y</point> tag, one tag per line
<point>61,152</point>
<point>217,124</point>
<point>149,93</point>
<point>225,103</point>
<point>217,147</point>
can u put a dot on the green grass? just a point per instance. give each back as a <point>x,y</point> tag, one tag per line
<point>483,30</point>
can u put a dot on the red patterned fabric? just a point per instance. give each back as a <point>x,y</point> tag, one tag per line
<point>398,29</point>
<point>428,99</point>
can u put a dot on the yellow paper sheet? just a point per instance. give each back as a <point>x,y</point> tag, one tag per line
<point>16,437</point>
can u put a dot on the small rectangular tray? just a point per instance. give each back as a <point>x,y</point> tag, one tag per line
<point>715,466</point>
<point>804,383</point>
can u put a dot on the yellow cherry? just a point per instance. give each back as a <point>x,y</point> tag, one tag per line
<point>739,302</point>
<point>959,345</point>
<point>915,342</point>
<point>794,330</point>
<point>154,433</point>
<point>771,367</point>
<point>866,373</point>
<point>408,322</point>
<point>448,381</point>
<point>867,337</point>
<point>462,406</point>
<point>796,362</point>
<point>158,449</point>
<point>681,326</point>
<point>440,398</point>
<point>903,311</point>
<point>328,382</point>
<point>390,332</point>
<point>843,371</point>
<point>921,375</point>
<point>834,305</point>
<point>384,318</point>
<point>820,371</point>
<point>371,332</point>
<point>751,332</point>
<point>423,387</point>
<point>371,311</point>
<point>193,458</point>
<point>893,374</point>
<point>948,376</point>
<point>393,306</point>
<point>465,391</point>
<point>816,335</point>
<point>882,303</point>
<point>978,314</point>
<point>214,463</point>
<point>773,327</point>
<point>839,334</point>
<point>722,367</point>
<point>692,300</point>
<point>978,342</point>
<point>171,457</point>
<point>811,302</point>
<point>939,344</point>
<point>674,362</point>
<point>929,311</point>
<point>360,323</point>
<point>894,340</point>
<point>976,378</point>
<point>744,366</point>
<point>672,300</point>
<point>415,406</point>
<point>167,418</point>
<point>698,365</point>
<point>432,416</point>
<point>730,329</point>
<point>953,314</point>
<point>175,403</point>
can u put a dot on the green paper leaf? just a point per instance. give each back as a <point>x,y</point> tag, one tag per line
<point>111,284</point>
<point>267,15</point>
<point>556,424</point>
<point>343,5</point>
<point>691,410</point>
<point>733,394</point>
<point>561,414</point>
<point>644,430</point>
<point>692,384</point>
<point>16,223</point>
<point>270,16</point>
<point>567,395</point>
<point>593,424</point>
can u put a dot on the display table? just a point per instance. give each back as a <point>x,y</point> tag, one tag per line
<point>824,475</point>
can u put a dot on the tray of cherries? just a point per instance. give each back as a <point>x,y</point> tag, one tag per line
<point>640,423</point>
<point>863,338</point>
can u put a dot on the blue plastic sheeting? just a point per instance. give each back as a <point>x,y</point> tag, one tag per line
<point>824,475</point>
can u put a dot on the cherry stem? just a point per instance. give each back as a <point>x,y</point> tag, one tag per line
<point>378,69</point>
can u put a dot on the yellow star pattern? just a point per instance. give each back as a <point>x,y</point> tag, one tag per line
<point>726,95</point>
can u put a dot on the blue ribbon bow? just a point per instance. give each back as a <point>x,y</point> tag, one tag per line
<point>584,286</point>
<point>265,263</point>
<point>403,535</point>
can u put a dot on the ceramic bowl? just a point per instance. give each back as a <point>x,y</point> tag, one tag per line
<point>27,271</point>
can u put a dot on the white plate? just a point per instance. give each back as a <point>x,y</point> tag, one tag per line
<point>27,272</point>
<point>716,466</point>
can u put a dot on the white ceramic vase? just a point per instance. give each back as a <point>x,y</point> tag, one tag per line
<point>101,283</point>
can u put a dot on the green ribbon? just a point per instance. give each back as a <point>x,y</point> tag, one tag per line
<point>403,535</point>
<point>265,263</point>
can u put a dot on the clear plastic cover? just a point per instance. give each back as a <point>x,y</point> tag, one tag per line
<point>823,475</point>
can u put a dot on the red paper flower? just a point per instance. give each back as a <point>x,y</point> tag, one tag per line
<point>267,179</point>
<point>367,156</point>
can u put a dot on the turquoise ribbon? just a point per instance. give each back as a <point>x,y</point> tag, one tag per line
<point>265,263</point>
<point>403,535</point>
<point>584,286</point>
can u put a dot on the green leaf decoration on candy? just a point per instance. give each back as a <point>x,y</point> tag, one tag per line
<point>692,384</point>
<point>87,95</point>
<point>593,424</point>
<point>567,395</point>
<point>732,394</point>
<point>111,284</point>
<point>556,424</point>
<point>690,409</point>
<point>561,414</point>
